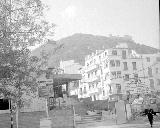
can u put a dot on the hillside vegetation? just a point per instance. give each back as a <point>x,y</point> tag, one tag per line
<point>77,46</point>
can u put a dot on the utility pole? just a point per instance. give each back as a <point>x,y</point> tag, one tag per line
<point>3,34</point>
<point>11,112</point>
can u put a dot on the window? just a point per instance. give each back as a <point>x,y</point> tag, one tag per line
<point>96,84</point>
<point>91,62</point>
<point>94,61</point>
<point>114,52</point>
<point>113,74</point>
<point>136,78</point>
<point>85,91</point>
<point>106,65</point>
<point>134,65</point>
<point>150,72</point>
<point>112,63</point>
<point>91,74</point>
<point>110,88</point>
<point>158,81</point>
<point>124,54</point>
<point>117,63</point>
<point>80,91</point>
<point>151,83</point>
<point>125,66</point>
<point>156,70</point>
<point>96,72</point>
<point>148,59</point>
<point>101,71</point>
<point>119,74</point>
<point>106,75</point>
<point>126,77</point>
<point>118,87</point>
<point>158,59</point>
<point>103,93</point>
<point>88,75</point>
<point>105,53</point>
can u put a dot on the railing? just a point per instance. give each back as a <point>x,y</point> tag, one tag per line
<point>96,78</point>
<point>93,90</point>
<point>91,68</point>
<point>92,79</point>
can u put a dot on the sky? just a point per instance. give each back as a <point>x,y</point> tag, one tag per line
<point>137,18</point>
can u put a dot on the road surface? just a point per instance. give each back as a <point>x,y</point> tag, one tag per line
<point>146,125</point>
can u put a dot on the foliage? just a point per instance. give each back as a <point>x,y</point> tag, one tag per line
<point>95,105</point>
<point>22,22</point>
<point>77,46</point>
<point>22,25</point>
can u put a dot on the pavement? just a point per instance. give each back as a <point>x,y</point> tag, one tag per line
<point>146,125</point>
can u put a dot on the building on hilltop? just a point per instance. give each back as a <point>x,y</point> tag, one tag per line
<point>114,72</point>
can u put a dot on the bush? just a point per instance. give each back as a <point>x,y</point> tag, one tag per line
<point>96,105</point>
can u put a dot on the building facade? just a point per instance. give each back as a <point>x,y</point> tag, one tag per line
<point>117,71</point>
<point>71,67</point>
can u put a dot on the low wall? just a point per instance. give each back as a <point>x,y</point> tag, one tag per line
<point>107,115</point>
<point>4,111</point>
<point>37,104</point>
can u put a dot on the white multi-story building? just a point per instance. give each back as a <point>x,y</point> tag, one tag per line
<point>117,71</point>
<point>91,82</point>
<point>152,70</point>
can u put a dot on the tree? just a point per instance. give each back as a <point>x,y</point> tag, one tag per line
<point>21,25</point>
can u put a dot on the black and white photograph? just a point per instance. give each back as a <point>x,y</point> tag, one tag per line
<point>79,64</point>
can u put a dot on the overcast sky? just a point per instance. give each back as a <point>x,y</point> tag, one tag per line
<point>137,18</point>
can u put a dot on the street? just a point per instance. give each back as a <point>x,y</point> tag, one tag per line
<point>147,125</point>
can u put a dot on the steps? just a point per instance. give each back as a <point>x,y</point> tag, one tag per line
<point>89,119</point>
<point>80,107</point>
<point>62,118</point>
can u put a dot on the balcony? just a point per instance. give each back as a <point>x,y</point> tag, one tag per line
<point>93,91</point>
<point>91,68</point>
<point>83,93</point>
<point>95,79</point>
<point>99,90</point>
<point>92,79</point>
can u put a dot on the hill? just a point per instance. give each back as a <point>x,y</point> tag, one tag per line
<point>77,46</point>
